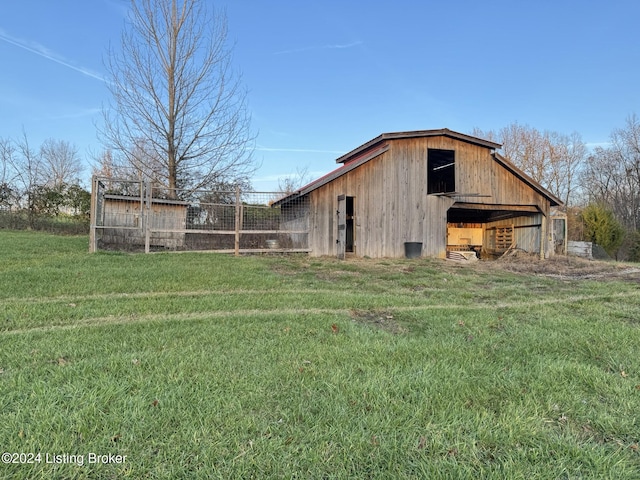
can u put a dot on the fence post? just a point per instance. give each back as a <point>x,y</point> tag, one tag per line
<point>93,215</point>
<point>543,235</point>
<point>238,221</point>
<point>147,215</point>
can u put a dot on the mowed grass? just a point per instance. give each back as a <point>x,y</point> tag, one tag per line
<point>211,366</point>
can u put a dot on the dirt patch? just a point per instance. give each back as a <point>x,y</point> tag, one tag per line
<point>565,267</point>
<point>381,320</point>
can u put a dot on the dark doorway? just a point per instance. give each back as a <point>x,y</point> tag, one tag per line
<point>350,244</point>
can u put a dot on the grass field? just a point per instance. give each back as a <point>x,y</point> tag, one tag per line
<point>209,366</point>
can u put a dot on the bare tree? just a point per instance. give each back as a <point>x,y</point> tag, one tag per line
<point>178,111</point>
<point>7,161</point>
<point>104,166</point>
<point>28,167</point>
<point>60,163</point>
<point>566,156</point>
<point>612,174</point>
<point>289,184</point>
<point>527,148</point>
<point>552,159</point>
<point>8,193</point>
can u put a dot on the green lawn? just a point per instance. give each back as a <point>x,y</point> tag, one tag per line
<point>210,366</point>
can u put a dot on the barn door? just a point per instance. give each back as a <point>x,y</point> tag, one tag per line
<point>341,241</point>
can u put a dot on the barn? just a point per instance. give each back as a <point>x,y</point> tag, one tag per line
<point>435,193</point>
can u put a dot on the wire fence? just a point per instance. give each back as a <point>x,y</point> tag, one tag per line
<point>136,216</point>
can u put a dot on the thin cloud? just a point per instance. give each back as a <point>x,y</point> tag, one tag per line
<point>44,52</point>
<point>296,150</point>
<point>85,112</point>
<point>269,178</point>
<point>337,46</point>
<point>275,177</point>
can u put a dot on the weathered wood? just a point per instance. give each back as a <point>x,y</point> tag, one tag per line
<point>394,207</point>
<point>580,249</point>
<point>147,216</point>
<point>341,241</point>
<point>143,221</point>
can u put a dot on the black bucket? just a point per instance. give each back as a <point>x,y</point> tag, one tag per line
<point>413,249</point>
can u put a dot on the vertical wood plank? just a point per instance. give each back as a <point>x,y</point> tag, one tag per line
<point>146,205</point>
<point>342,227</point>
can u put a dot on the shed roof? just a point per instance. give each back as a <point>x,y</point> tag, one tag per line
<point>380,144</point>
<point>138,199</point>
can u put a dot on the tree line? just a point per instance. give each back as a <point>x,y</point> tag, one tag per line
<point>41,182</point>
<point>178,117</point>
<point>600,187</point>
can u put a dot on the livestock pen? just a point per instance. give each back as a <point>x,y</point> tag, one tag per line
<point>140,216</point>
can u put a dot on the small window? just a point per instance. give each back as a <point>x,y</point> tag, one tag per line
<point>441,172</point>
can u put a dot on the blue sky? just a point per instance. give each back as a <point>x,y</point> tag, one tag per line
<point>326,76</point>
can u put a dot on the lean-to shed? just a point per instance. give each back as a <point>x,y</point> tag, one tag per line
<point>441,190</point>
<point>122,219</point>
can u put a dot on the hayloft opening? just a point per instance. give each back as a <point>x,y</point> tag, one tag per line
<point>441,176</point>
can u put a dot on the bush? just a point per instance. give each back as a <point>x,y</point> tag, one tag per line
<point>61,224</point>
<point>601,227</point>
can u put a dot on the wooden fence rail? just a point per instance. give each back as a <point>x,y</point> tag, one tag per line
<point>134,215</point>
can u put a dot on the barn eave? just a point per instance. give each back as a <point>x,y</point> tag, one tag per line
<point>443,132</point>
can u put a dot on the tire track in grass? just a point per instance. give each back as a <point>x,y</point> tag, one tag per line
<point>194,293</point>
<point>309,291</point>
<point>133,319</point>
<point>153,318</point>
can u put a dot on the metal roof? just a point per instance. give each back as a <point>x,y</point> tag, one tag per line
<point>443,132</point>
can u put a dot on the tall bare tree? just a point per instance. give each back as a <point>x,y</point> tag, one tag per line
<point>60,163</point>
<point>567,154</point>
<point>27,164</point>
<point>174,93</point>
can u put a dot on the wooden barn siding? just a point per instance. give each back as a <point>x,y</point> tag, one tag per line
<point>392,205</point>
<point>421,217</point>
<point>526,233</point>
<point>124,213</point>
<point>477,172</point>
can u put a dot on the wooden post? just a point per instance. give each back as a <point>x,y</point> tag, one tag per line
<point>238,222</point>
<point>145,198</point>
<point>93,215</point>
<point>543,235</point>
